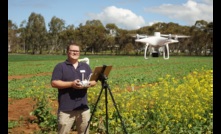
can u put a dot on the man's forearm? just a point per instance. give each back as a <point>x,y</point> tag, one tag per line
<point>61,84</point>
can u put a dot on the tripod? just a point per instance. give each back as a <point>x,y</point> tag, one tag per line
<point>105,87</point>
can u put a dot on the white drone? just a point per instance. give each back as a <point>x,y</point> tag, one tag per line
<point>153,43</point>
<point>86,60</point>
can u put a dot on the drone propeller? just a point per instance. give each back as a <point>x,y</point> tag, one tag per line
<point>139,36</point>
<point>174,36</point>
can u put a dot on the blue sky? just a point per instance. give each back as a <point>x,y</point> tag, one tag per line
<point>126,14</point>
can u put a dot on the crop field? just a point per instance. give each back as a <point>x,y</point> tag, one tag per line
<point>153,96</point>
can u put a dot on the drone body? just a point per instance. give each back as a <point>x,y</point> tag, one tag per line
<point>153,43</point>
<point>156,41</point>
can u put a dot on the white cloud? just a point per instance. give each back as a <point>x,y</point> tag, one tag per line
<point>122,18</point>
<point>189,12</point>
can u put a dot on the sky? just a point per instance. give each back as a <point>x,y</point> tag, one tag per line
<point>125,14</point>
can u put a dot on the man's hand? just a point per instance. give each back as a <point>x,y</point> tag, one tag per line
<point>76,84</point>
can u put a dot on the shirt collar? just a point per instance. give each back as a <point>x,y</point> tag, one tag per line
<point>69,63</point>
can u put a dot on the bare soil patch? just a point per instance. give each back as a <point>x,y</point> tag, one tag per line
<point>19,110</point>
<point>27,76</point>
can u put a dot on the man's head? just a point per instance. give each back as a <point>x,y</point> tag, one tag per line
<point>73,51</point>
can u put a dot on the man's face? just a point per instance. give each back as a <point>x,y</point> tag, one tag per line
<point>73,52</point>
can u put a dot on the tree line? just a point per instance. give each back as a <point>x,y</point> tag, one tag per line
<point>32,37</point>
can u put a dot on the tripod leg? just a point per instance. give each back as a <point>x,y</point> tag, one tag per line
<point>117,109</point>
<point>94,110</point>
<point>106,102</point>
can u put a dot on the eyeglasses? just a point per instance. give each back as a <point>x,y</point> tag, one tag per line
<point>76,51</point>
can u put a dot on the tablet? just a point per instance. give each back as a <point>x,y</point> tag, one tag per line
<point>98,71</point>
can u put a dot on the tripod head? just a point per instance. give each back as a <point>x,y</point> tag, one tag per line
<point>102,77</point>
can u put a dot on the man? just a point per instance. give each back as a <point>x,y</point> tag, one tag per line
<point>72,96</point>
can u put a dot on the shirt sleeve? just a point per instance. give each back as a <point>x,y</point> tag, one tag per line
<point>57,72</point>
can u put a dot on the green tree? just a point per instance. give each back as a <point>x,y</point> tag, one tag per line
<point>22,36</point>
<point>36,32</point>
<point>201,37</point>
<point>121,40</point>
<point>12,37</point>
<point>56,26</point>
<point>92,36</point>
<point>66,36</point>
